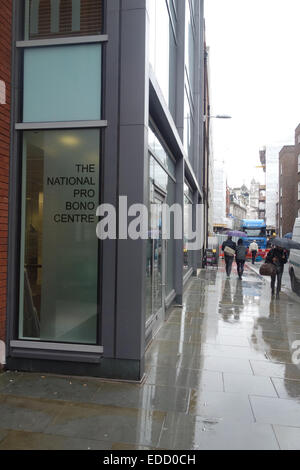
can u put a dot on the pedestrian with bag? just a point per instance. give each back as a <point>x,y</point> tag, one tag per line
<point>278,257</point>
<point>241,253</point>
<point>253,249</point>
<point>229,249</point>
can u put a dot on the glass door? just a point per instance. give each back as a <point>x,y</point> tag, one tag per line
<point>156,262</point>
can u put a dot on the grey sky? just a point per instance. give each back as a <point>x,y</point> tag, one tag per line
<point>255,77</point>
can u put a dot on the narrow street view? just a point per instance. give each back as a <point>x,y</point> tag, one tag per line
<point>149,228</point>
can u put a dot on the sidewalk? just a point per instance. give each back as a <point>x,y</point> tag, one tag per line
<point>220,375</point>
<point>286,281</point>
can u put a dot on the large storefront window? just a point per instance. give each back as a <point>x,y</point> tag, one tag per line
<point>160,253</point>
<point>58,18</point>
<point>59,247</point>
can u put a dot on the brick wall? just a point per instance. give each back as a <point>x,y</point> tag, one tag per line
<point>297,149</point>
<point>5,56</point>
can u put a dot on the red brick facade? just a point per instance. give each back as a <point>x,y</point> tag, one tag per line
<point>5,64</point>
<point>287,189</point>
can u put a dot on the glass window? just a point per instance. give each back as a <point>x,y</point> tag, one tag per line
<point>189,47</point>
<point>188,135</point>
<point>188,220</point>
<point>160,152</point>
<point>154,244</point>
<point>298,191</point>
<point>170,243</point>
<point>62,83</point>
<point>59,249</point>
<point>298,163</point>
<point>46,19</point>
<point>163,25</point>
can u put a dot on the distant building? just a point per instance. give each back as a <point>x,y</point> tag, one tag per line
<point>297,172</point>
<point>289,185</point>
<point>287,182</point>
<point>238,210</point>
<point>269,157</point>
<point>253,200</point>
<point>219,200</point>
<point>262,202</point>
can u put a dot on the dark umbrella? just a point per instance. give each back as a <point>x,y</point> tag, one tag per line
<point>236,233</point>
<point>286,243</point>
<point>288,235</point>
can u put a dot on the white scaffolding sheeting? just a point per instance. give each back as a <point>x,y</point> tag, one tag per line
<point>272,180</point>
<point>219,194</point>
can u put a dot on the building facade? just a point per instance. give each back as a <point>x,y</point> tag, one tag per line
<point>297,172</point>
<point>238,206</point>
<point>262,202</point>
<point>269,157</point>
<point>287,189</point>
<point>107,114</point>
<point>5,96</point>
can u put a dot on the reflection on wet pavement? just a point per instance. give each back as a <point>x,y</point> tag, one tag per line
<point>220,374</point>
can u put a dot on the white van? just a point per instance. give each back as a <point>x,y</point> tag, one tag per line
<point>294,260</point>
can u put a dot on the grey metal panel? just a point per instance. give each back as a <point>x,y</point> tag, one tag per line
<point>56,346</point>
<point>63,41</point>
<point>133,179</point>
<point>64,356</point>
<point>178,248</point>
<point>14,182</point>
<point>133,5</point>
<point>60,125</point>
<point>110,173</point>
<point>132,253</point>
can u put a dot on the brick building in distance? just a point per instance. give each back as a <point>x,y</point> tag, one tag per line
<point>5,67</point>
<point>289,185</point>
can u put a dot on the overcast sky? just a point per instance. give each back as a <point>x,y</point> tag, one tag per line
<point>255,78</point>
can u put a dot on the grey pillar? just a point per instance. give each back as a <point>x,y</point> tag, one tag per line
<point>109,174</point>
<point>178,275</point>
<point>132,178</point>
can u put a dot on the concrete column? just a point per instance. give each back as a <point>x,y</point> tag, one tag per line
<point>109,170</point>
<point>132,177</point>
<point>178,249</point>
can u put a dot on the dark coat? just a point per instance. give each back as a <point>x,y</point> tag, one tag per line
<point>281,256</point>
<point>229,243</point>
<point>241,253</point>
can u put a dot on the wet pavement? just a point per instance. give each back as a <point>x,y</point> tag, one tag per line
<point>220,374</point>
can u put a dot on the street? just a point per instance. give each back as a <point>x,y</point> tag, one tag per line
<point>220,374</point>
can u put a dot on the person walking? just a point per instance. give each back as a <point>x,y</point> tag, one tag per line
<point>241,253</point>
<point>229,249</point>
<point>253,249</point>
<point>279,257</point>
